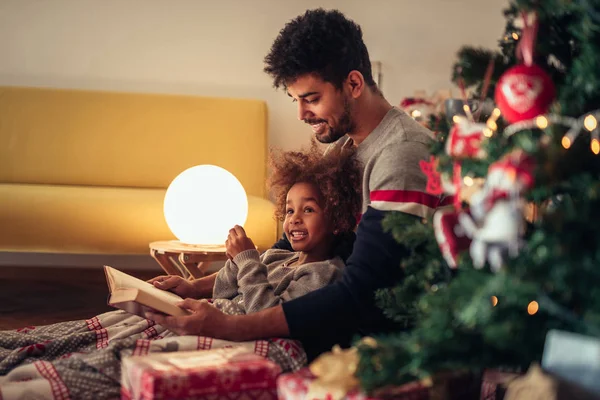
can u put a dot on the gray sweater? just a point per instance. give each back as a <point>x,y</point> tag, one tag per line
<point>253,282</point>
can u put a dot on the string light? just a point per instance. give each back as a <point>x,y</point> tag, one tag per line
<point>570,136</point>
<point>590,123</point>
<point>457,119</point>
<point>541,122</point>
<point>415,113</point>
<point>467,111</point>
<point>575,125</point>
<point>515,36</point>
<point>531,123</point>
<point>492,124</point>
<point>494,301</point>
<point>468,181</point>
<point>595,145</point>
<point>533,307</point>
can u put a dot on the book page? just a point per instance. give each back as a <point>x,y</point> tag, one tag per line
<point>121,280</point>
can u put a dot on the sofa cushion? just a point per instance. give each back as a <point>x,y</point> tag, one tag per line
<point>100,220</point>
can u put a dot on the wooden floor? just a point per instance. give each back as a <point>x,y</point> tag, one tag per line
<point>41,296</point>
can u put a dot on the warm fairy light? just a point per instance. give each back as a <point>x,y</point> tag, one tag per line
<point>515,36</point>
<point>457,118</point>
<point>590,123</point>
<point>496,113</point>
<point>466,108</point>
<point>533,307</point>
<point>595,146</point>
<point>492,124</point>
<point>541,122</point>
<point>511,174</point>
<point>494,301</point>
<point>468,181</point>
<point>566,142</point>
<point>487,132</point>
<point>415,113</point>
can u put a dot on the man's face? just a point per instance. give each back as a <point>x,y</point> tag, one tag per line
<point>326,109</point>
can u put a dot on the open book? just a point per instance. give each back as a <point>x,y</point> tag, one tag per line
<point>136,296</point>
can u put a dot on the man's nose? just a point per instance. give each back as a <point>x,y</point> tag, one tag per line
<point>303,113</point>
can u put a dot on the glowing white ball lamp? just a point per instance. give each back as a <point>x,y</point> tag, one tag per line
<point>203,203</point>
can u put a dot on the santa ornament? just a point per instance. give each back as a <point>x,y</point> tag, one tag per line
<point>495,222</point>
<point>525,90</point>
<point>491,229</point>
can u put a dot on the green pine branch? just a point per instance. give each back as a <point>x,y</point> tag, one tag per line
<point>452,323</point>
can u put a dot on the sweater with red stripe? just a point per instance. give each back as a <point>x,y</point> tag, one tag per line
<point>392,181</point>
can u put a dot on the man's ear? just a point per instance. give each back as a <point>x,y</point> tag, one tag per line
<point>355,83</point>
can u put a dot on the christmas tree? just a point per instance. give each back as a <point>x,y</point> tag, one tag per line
<point>518,256</point>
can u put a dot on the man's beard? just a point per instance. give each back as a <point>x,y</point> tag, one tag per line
<point>345,125</point>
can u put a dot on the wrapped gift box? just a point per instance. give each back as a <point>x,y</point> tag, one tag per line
<point>208,374</point>
<point>296,386</point>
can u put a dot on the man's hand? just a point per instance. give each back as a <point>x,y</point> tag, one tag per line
<point>175,284</point>
<point>205,320</point>
<point>237,241</point>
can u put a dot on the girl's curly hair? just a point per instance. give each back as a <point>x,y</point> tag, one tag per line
<point>337,176</point>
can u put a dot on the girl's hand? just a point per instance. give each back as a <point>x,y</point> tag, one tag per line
<point>237,241</point>
<point>175,284</point>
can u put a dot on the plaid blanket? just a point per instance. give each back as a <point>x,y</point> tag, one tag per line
<point>82,359</point>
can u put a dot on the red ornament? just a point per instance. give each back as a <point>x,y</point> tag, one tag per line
<point>465,140</point>
<point>450,235</point>
<point>514,171</point>
<point>524,92</point>
<point>434,185</point>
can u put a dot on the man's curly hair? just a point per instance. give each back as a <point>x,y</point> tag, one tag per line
<point>321,42</point>
<point>337,176</point>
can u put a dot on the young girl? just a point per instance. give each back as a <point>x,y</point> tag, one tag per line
<point>317,199</point>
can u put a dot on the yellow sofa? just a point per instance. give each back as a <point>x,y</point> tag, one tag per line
<point>86,171</point>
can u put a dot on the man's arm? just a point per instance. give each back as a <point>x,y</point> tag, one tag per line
<point>207,320</point>
<point>340,309</point>
<point>268,323</point>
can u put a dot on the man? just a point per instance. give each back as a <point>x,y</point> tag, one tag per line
<point>322,62</point>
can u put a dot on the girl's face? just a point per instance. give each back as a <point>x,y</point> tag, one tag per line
<point>305,224</point>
